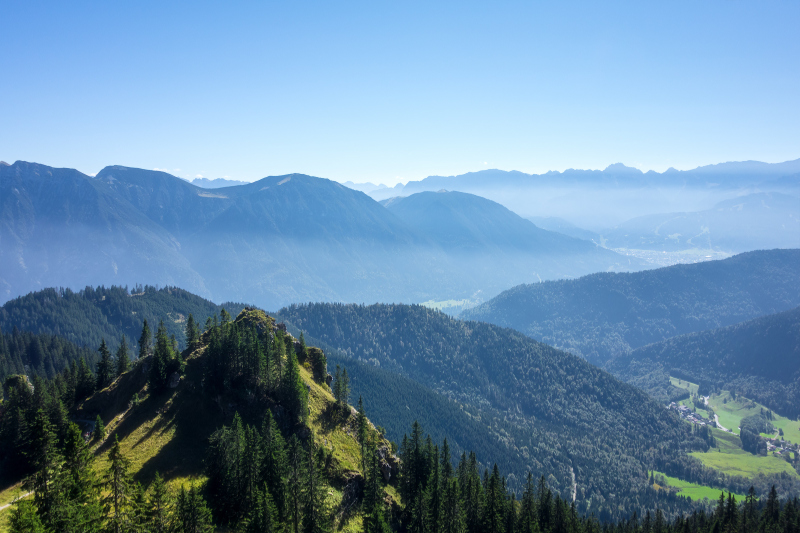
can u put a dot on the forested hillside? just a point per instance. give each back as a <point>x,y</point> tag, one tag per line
<point>606,315</point>
<point>42,354</point>
<point>88,316</point>
<point>759,359</point>
<point>561,414</point>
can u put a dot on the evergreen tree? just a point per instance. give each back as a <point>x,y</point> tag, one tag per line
<point>123,357</point>
<point>337,386</point>
<point>105,368</point>
<point>274,467</point>
<point>192,332</point>
<point>295,393</point>
<point>263,516</point>
<point>160,506</point>
<point>315,514</point>
<point>99,429</point>
<point>145,341</point>
<point>80,503</point>
<point>163,356</point>
<point>193,515</point>
<point>25,519</point>
<point>294,483</point>
<point>46,460</point>
<point>119,490</point>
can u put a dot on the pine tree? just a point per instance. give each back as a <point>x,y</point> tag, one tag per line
<point>99,429</point>
<point>160,506</point>
<point>46,460</point>
<point>263,516</point>
<point>117,482</point>
<point>274,467</point>
<point>163,355</point>
<point>145,341</point>
<point>295,394</point>
<point>193,515</point>
<point>192,332</point>
<point>25,519</point>
<point>123,357</point>
<point>315,514</point>
<point>80,505</point>
<point>337,386</point>
<point>105,368</point>
<point>294,483</point>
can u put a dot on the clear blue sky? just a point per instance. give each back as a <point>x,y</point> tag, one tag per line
<point>392,91</point>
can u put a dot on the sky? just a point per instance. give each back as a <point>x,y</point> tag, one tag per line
<point>389,92</point>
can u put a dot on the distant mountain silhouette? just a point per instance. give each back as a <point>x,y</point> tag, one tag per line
<point>491,242</point>
<point>61,227</point>
<point>217,183</point>
<point>597,199</point>
<point>279,240</point>
<point>760,220</point>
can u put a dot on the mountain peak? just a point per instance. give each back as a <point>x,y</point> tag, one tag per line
<point>618,168</point>
<point>4,164</point>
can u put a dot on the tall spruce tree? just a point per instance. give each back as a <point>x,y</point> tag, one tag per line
<point>105,368</point>
<point>160,507</point>
<point>123,357</point>
<point>315,513</point>
<point>145,341</point>
<point>119,490</point>
<point>193,514</point>
<point>295,393</point>
<point>192,332</point>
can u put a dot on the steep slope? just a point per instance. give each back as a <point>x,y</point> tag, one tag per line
<point>170,432</point>
<point>560,413</point>
<point>759,359</point>
<point>751,222</point>
<point>87,316</point>
<point>602,316</point>
<point>490,242</point>
<point>61,227</point>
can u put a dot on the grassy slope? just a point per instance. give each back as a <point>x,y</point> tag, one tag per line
<point>728,456</point>
<point>169,433</point>
<point>693,490</point>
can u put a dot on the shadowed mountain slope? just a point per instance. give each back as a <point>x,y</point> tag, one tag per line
<point>759,359</point>
<point>602,316</point>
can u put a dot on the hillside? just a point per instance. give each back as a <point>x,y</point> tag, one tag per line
<point>489,242</point>
<point>92,314</point>
<point>603,316</point>
<point>173,431</point>
<point>758,359</point>
<point>751,222</point>
<point>561,414</point>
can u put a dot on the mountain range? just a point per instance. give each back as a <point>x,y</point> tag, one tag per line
<point>599,199</point>
<point>278,240</point>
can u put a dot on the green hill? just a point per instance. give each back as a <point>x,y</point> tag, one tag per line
<point>89,315</point>
<point>557,412</point>
<point>606,315</point>
<point>759,359</point>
